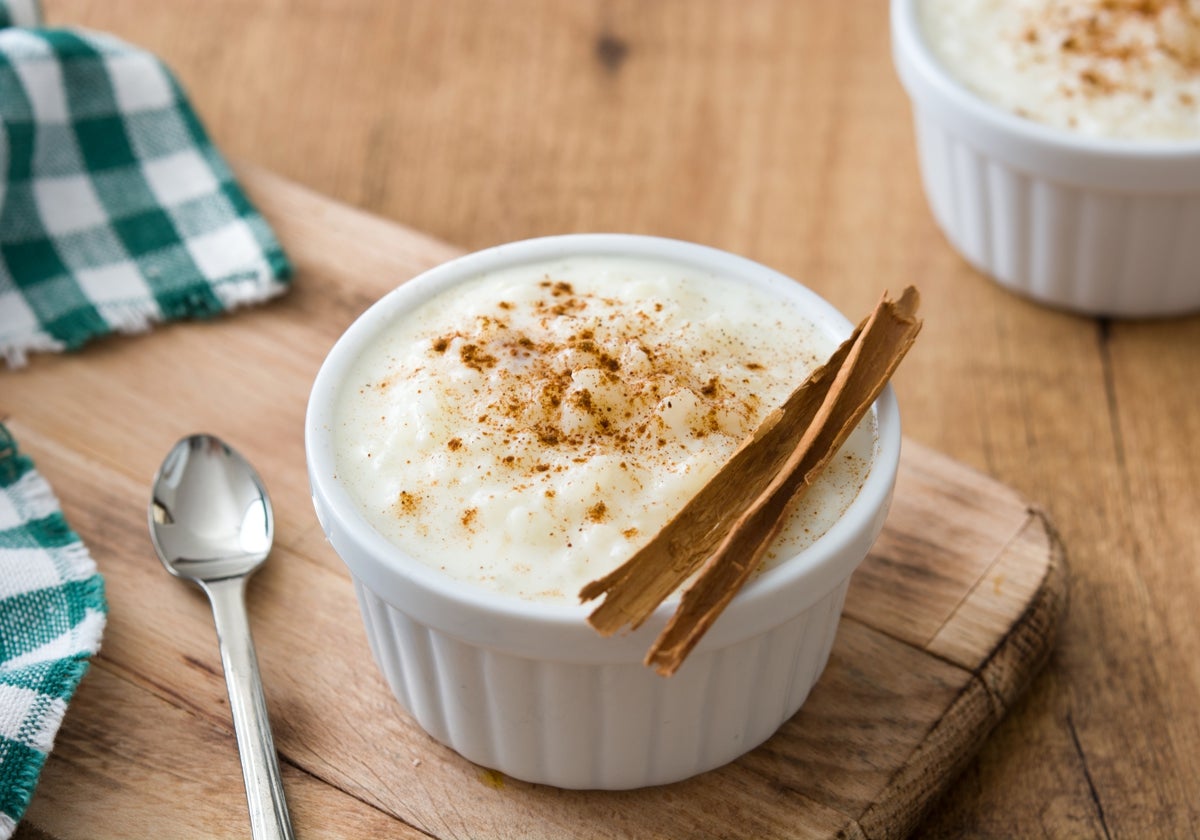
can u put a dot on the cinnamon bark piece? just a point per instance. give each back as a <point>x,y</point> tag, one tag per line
<point>730,523</point>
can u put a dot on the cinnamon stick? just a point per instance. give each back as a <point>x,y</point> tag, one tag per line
<point>638,586</point>
<point>731,522</point>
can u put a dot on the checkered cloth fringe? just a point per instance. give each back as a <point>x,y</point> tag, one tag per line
<point>116,211</point>
<point>52,613</point>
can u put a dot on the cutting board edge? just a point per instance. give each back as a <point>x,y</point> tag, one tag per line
<point>953,738</point>
<point>1016,661</point>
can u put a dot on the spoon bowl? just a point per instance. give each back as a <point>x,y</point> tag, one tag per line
<point>210,515</point>
<point>211,522</point>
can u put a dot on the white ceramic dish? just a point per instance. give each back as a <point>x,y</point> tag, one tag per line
<point>1102,227</point>
<point>529,688</point>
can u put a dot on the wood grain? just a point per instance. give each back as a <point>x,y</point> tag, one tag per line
<point>891,721</point>
<point>776,129</point>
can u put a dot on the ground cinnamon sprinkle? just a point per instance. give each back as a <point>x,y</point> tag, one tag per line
<point>1105,67</point>
<point>548,371</point>
<point>594,389</point>
<point>564,424</point>
<point>475,358</point>
<point>1101,32</point>
<point>407,503</point>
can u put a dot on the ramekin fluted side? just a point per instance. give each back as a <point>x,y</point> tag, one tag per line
<point>1099,252</point>
<point>527,687</point>
<point>1100,226</point>
<point>599,726</point>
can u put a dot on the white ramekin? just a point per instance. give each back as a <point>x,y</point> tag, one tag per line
<point>529,688</point>
<point>1098,226</point>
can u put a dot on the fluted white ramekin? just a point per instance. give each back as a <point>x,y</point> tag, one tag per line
<point>529,688</point>
<point>1098,226</point>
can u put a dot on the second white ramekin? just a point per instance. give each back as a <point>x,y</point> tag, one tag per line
<point>1101,227</point>
<point>529,688</point>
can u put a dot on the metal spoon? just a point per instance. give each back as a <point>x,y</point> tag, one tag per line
<point>211,523</point>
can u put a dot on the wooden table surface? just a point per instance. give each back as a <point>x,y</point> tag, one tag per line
<point>775,129</point>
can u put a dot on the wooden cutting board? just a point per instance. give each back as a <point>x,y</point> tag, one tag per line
<point>945,624</point>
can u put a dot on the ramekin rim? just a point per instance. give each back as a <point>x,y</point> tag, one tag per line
<point>909,44</point>
<point>874,495</point>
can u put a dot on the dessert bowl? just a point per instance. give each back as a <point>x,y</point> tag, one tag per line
<point>527,687</point>
<point>1098,226</point>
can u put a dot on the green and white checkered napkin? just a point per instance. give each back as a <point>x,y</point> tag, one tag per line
<point>116,211</point>
<point>52,614</point>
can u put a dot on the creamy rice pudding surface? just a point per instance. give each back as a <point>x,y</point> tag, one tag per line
<point>528,430</point>
<point>1107,68</point>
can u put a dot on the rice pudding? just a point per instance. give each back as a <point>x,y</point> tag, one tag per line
<point>528,429</point>
<point>1106,68</point>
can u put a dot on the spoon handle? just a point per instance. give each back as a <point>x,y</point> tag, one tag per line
<point>260,768</point>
